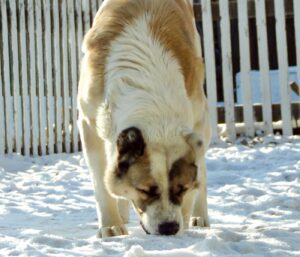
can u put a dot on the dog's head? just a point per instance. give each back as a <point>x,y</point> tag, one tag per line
<point>155,178</point>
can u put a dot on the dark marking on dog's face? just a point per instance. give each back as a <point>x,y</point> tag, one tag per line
<point>132,171</point>
<point>146,196</point>
<point>182,177</point>
<point>131,146</point>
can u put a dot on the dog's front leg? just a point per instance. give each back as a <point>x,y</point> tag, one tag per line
<point>124,210</point>
<point>187,208</point>
<point>107,209</point>
<point>200,213</point>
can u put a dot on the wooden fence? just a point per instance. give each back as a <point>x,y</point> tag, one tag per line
<point>253,34</point>
<point>40,46</point>
<point>40,42</point>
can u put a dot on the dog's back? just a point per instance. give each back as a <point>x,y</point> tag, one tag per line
<point>142,55</point>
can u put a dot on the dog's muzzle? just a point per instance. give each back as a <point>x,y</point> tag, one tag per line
<point>168,228</point>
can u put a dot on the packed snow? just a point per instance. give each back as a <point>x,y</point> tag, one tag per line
<point>47,207</point>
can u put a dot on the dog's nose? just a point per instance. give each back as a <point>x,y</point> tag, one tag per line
<point>168,228</point>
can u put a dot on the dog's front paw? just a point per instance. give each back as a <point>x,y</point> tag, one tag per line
<point>112,231</point>
<point>198,222</point>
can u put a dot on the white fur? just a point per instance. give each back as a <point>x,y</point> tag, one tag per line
<point>144,88</point>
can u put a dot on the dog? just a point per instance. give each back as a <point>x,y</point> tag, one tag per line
<point>143,116</point>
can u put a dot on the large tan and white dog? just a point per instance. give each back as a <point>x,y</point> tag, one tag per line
<point>143,118</point>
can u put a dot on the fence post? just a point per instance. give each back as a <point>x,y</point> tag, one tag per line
<point>86,15</point>
<point>79,32</point>
<point>33,81</point>
<point>66,98</point>
<point>48,73</point>
<point>9,114</point>
<point>74,71</point>
<point>94,8</point>
<point>297,35</point>
<point>41,82</point>
<point>2,112</point>
<point>16,78</point>
<point>245,66</point>
<point>58,78</point>
<point>227,70</point>
<point>283,68</point>
<point>26,109</point>
<point>209,54</point>
<point>261,26</point>
<point>2,122</point>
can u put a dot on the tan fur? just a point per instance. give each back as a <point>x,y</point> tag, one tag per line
<point>173,28</point>
<point>170,25</point>
<point>182,177</point>
<point>107,26</point>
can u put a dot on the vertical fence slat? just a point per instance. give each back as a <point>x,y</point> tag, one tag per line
<point>6,80</point>
<point>73,84</point>
<point>297,34</point>
<point>65,76</point>
<point>209,53</point>
<point>16,78</point>
<point>33,84</point>
<point>2,110</point>
<point>79,39</point>
<point>41,79</point>
<point>2,119</point>
<point>25,98</point>
<point>245,64</point>
<point>283,68</point>
<point>227,70</point>
<point>264,68</point>
<point>79,27</point>
<point>94,8</point>
<point>86,15</point>
<point>49,80</point>
<point>58,80</point>
<point>79,32</point>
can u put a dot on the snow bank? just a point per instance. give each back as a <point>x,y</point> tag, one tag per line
<point>47,207</point>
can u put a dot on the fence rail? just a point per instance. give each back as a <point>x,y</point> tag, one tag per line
<point>40,46</point>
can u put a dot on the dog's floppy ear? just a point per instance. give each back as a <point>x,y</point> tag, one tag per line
<point>131,145</point>
<point>195,141</point>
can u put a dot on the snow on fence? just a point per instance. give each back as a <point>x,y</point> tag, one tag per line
<point>40,45</point>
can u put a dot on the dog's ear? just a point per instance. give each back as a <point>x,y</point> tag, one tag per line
<point>195,141</point>
<point>130,145</point>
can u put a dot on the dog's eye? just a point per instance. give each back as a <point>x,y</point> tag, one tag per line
<point>194,166</point>
<point>151,192</point>
<point>181,190</point>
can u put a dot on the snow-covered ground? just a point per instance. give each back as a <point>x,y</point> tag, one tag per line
<point>47,207</point>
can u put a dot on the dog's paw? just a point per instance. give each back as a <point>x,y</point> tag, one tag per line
<point>198,222</point>
<point>112,231</point>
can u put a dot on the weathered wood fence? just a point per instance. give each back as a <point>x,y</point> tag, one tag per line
<point>40,46</point>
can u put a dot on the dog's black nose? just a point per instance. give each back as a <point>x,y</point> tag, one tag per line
<point>168,228</point>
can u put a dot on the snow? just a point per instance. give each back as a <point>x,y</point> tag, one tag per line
<point>47,207</point>
<point>274,81</point>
